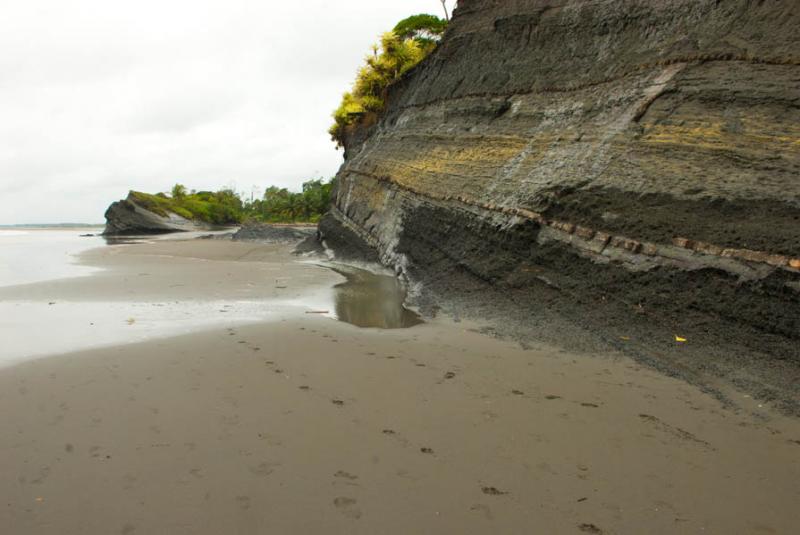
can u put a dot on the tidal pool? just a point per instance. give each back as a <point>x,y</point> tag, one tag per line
<point>368,299</point>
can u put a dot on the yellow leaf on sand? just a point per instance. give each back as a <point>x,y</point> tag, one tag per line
<point>131,321</point>
<point>679,339</point>
<point>626,338</point>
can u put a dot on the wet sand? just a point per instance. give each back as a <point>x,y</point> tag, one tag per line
<point>303,424</point>
<point>157,289</point>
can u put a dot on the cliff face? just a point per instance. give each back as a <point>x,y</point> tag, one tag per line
<point>639,158</point>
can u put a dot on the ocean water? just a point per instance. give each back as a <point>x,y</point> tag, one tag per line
<point>35,255</point>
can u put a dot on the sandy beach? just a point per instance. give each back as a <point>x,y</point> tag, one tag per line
<point>281,419</point>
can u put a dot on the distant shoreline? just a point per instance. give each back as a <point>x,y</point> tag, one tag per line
<point>35,226</point>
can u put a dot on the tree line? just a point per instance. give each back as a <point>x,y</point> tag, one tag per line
<point>227,207</point>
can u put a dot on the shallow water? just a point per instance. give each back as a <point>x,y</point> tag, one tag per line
<point>368,299</point>
<point>28,256</point>
<point>31,329</point>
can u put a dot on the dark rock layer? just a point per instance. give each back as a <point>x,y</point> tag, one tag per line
<point>269,233</point>
<point>608,174</point>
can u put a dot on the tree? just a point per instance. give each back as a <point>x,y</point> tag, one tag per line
<point>425,29</point>
<point>178,191</point>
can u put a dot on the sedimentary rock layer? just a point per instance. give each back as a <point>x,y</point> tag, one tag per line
<point>643,156</point>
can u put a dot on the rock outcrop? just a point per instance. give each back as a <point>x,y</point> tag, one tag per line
<point>629,168</point>
<point>273,233</point>
<point>128,217</point>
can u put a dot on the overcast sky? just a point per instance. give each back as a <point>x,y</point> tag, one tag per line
<point>101,96</point>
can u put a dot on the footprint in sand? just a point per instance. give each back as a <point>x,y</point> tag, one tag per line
<point>347,506</point>
<point>493,491</point>
<point>337,402</point>
<point>264,469</point>
<point>196,472</point>
<point>484,509</point>
<point>345,475</point>
<point>243,502</point>
<point>396,436</point>
<point>551,396</point>
<point>44,473</point>
<point>427,450</point>
<point>676,432</point>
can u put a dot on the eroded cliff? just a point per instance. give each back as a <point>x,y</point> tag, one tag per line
<point>629,169</point>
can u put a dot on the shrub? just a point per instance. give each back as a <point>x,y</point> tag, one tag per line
<point>400,50</point>
<point>423,27</point>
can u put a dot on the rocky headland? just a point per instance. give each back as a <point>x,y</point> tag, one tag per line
<point>128,216</point>
<point>620,174</point>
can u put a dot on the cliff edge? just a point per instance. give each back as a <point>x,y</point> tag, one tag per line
<point>613,175</point>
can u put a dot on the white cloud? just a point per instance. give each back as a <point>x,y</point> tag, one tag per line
<point>101,96</point>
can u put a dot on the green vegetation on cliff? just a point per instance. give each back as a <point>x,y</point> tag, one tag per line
<point>400,50</point>
<point>423,28</point>
<point>222,207</point>
<point>226,207</point>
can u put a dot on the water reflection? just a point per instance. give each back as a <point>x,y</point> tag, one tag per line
<point>370,300</point>
<point>129,239</point>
